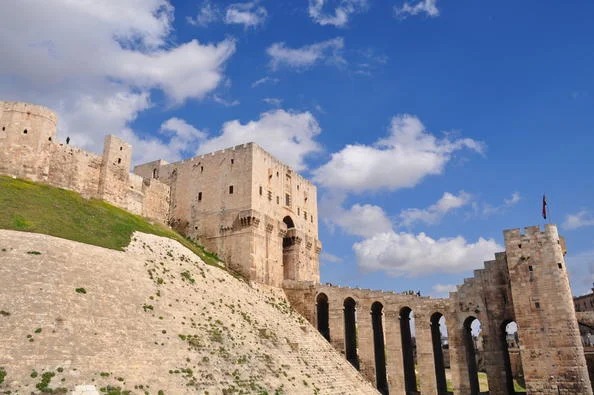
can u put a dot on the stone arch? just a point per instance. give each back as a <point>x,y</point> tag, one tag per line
<point>379,346</point>
<point>322,309</point>
<point>408,357</point>
<point>437,321</point>
<point>291,245</point>
<point>350,331</point>
<point>510,327</point>
<point>470,348</point>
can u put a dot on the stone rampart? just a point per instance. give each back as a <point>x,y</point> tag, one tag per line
<point>28,149</point>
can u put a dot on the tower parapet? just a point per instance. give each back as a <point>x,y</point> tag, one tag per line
<point>27,124</point>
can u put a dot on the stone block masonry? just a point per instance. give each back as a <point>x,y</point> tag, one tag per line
<point>28,149</point>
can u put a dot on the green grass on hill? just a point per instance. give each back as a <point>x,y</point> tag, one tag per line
<point>39,208</point>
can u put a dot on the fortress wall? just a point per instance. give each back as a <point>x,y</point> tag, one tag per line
<point>28,150</point>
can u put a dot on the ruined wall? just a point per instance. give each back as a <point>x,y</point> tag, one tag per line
<point>28,149</point>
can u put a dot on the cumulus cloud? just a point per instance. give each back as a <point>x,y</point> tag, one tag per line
<point>401,160</point>
<point>428,7</point>
<point>341,13</point>
<point>433,214</point>
<point>247,14</point>
<point>578,220</point>
<point>364,220</point>
<point>289,136</point>
<point>412,255</point>
<point>328,52</point>
<point>96,63</point>
<point>207,14</point>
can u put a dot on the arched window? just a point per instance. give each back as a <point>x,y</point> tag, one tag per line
<point>381,380</point>
<point>322,314</point>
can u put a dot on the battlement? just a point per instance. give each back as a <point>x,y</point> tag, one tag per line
<point>28,109</point>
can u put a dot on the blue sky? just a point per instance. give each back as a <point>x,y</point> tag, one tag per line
<point>429,126</point>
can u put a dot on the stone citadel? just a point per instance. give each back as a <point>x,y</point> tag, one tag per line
<point>261,218</point>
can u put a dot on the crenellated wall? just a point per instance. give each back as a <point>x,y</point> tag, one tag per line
<point>28,149</point>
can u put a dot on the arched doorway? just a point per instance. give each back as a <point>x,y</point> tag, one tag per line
<point>379,347</point>
<point>350,332</point>
<point>322,315</point>
<point>439,332</point>
<point>289,222</point>
<point>472,346</point>
<point>514,375</point>
<point>408,353</point>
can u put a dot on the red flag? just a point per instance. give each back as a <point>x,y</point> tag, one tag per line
<point>544,206</point>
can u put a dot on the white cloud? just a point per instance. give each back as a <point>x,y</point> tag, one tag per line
<point>581,268</point>
<point>488,209</point>
<point>183,135</point>
<point>328,51</point>
<point>364,220</point>
<point>265,80</point>
<point>287,135</point>
<point>578,220</point>
<point>247,14</point>
<point>225,102</point>
<point>401,160</point>
<point>442,290</point>
<point>273,101</point>
<point>96,63</point>
<point>415,255</point>
<point>341,14</point>
<point>327,257</point>
<point>428,7</point>
<point>206,15</point>
<point>434,213</point>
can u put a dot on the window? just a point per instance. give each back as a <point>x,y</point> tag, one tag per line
<point>278,200</point>
<point>305,214</point>
<point>154,173</point>
<point>260,190</point>
<point>537,305</point>
<point>269,195</point>
<point>199,196</point>
<point>121,148</point>
<point>298,211</point>
<point>3,128</point>
<point>311,219</point>
<point>530,268</point>
<point>560,265</point>
<point>287,200</point>
<point>201,169</point>
<point>230,189</point>
<point>119,160</point>
<point>232,161</point>
<point>25,131</point>
<point>277,173</point>
<point>297,186</point>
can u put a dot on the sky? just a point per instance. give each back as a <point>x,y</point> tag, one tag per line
<point>429,126</point>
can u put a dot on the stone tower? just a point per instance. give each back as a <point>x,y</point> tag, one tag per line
<point>115,169</point>
<point>26,131</point>
<point>550,346</point>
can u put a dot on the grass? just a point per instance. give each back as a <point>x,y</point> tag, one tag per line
<point>38,208</point>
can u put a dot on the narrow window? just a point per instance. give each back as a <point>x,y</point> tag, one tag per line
<point>297,187</point>
<point>49,139</point>
<point>201,169</point>
<point>287,200</point>
<point>25,131</point>
<point>199,196</point>
<point>121,148</point>
<point>277,173</point>
<point>560,265</point>
<point>311,219</point>
<point>530,268</point>
<point>260,190</point>
<point>305,214</point>
<point>3,128</point>
<point>269,195</point>
<point>232,161</point>
<point>278,200</point>
<point>119,160</point>
<point>230,189</point>
<point>154,173</point>
<point>298,211</point>
<point>519,245</point>
<point>537,305</point>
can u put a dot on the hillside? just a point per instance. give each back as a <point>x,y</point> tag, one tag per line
<point>39,208</point>
<point>148,318</point>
